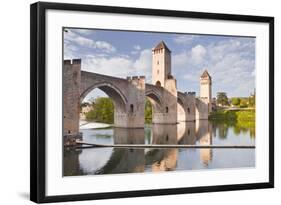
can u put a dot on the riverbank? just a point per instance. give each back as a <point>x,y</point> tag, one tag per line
<point>234,115</point>
<point>93,125</point>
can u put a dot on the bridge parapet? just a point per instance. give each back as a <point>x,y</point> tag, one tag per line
<point>73,61</point>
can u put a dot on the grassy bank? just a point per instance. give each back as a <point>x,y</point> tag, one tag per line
<point>234,115</point>
<point>240,120</point>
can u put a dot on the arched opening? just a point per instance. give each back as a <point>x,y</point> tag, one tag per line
<point>97,107</point>
<point>188,110</point>
<point>158,83</point>
<point>131,108</point>
<point>153,106</point>
<point>106,102</point>
<point>167,109</point>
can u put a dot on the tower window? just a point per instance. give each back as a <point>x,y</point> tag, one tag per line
<point>188,110</point>
<point>167,109</point>
<point>131,108</point>
<point>157,71</point>
<point>157,62</point>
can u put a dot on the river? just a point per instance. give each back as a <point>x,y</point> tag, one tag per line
<point>135,160</point>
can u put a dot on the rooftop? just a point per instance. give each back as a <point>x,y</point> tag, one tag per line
<point>205,74</point>
<point>161,45</point>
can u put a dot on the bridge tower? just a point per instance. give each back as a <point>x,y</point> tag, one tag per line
<point>204,102</point>
<point>162,78</point>
<point>161,64</point>
<point>206,87</point>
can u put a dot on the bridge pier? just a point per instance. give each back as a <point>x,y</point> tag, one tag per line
<point>167,114</point>
<point>133,117</point>
<point>71,99</point>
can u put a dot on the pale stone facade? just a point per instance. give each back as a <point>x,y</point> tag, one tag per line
<point>161,64</point>
<point>85,110</point>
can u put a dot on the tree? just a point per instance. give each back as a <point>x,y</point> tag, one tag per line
<point>222,99</point>
<point>103,111</point>
<point>235,101</point>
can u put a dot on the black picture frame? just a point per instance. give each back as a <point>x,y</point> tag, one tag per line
<point>38,100</point>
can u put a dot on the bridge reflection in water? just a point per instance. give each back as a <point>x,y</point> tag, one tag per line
<point>134,160</point>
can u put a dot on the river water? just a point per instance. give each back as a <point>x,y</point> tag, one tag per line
<point>95,161</point>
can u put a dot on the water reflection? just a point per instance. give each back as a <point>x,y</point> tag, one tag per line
<point>132,160</point>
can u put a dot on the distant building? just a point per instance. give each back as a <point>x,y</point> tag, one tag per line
<point>85,109</point>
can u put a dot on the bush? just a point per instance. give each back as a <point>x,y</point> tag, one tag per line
<point>235,101</point>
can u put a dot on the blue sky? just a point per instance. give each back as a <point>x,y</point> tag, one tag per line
<point>229,60</point>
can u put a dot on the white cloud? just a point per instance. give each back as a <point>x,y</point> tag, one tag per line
<point>84,31</point>
<point>192,57</point>
<point>180,59</point>
<point>184,39</point>
<point>137,47</point>
<point>144,62</point>
<point>119,66</point>
<point>198,53</point>
<point>230,62</point>
<point>72,37</point>
<point>190,77</point>
<point>114,66</point>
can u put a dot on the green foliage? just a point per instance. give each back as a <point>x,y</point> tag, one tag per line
<point>103,111</point>
<point>238,127</point>
<point>244,103</point>
<point>148,112</point>
<point>222,99</point>
<point>233,115</point>
<point>240,120</point>
<point>235,101</point>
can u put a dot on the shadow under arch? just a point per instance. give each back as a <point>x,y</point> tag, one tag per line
<point>182,110</point>
<point>118,97</point>
<point>155,100</point>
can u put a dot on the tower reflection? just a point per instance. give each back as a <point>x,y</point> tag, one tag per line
<point>204,136</point>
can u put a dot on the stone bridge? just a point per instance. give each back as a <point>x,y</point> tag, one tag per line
<point>128,95</point>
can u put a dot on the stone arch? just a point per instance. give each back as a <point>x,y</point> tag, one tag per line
<point>155,100</point>
<point>118,97</point>
<point>154,95</point>
<point>158,83</point>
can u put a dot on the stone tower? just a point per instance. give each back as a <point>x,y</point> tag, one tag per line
<point>206,87</point>
<point>162,77</point>
<point>161,64</point>
<point>206,90</point>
